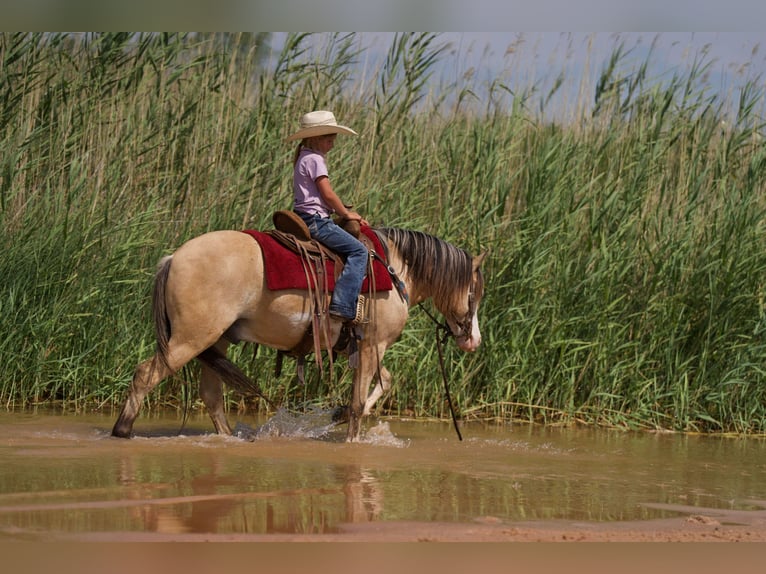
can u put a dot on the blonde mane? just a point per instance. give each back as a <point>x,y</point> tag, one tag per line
<point>446,270</point>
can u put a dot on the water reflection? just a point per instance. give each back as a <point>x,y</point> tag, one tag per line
<point>186,504</point>
<point>215,484</point>
<point>65,474</point>
<point>363,494</point>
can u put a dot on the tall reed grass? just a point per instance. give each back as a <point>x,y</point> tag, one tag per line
<point>626,280</point>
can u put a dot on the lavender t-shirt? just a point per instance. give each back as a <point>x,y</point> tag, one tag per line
<point>310,166</point>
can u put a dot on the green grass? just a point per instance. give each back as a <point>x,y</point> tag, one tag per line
<point>625,285</point>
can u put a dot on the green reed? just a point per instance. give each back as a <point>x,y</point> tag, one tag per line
<point>625,283</point>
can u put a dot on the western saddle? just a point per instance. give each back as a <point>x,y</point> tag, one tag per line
<point>291,231</point>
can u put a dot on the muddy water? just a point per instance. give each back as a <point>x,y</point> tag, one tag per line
<point>66,475</point>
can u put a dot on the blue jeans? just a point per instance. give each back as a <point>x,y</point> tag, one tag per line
<point>349,284</point>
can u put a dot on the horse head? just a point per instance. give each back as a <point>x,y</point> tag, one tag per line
<point>462,314</point>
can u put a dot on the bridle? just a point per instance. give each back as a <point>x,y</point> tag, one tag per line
<point>465,326</point>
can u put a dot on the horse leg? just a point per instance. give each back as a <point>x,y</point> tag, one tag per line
<point>361,387</point>
<point>381,387</point>
<point>146,376</point>
<point>211,393</point>
<point>355,412</point>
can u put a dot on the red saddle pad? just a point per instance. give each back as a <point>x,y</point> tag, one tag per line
<point>284,269</point>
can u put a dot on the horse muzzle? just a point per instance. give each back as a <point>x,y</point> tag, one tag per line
<point>468,344</point>
<point>467,334</point>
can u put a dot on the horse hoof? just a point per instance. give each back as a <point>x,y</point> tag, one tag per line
<point>340,415</point>
<point>119,432</point>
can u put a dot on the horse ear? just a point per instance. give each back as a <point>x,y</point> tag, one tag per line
<point>479,259</point>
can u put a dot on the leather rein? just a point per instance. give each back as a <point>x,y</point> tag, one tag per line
<point>440,340</point>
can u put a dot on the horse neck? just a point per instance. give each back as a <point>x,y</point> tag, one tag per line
<point>414,293</point>
<point>417,291</point>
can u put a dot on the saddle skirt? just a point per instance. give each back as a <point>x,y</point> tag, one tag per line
<point>284,267</point>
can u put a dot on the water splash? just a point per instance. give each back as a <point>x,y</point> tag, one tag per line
<point>315,423</point>
<point>381,435</point>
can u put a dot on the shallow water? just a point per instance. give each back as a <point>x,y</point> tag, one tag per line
<point>294,474</point>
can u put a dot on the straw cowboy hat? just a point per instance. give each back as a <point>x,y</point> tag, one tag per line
<point>319,123</point>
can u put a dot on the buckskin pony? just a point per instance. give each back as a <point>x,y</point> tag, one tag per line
<point>212,292</point>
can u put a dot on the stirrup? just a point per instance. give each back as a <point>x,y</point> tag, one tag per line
<point>361,316</point>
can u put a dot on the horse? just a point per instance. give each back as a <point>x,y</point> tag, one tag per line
<point>211,292</point>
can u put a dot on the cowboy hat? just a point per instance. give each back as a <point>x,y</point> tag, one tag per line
<point>319,123</point>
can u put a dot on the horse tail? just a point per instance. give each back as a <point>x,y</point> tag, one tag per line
<point>160,309</point>
<point>231,374</point>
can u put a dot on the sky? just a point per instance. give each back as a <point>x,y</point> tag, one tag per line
<point>739,54</point>
<point>523,59</point>
<point>735,58</point>
<point>731,49</point>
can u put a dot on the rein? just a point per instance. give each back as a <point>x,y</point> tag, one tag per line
<point>447,333</point>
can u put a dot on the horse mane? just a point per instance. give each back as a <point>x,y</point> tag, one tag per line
<point>447,270</point>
